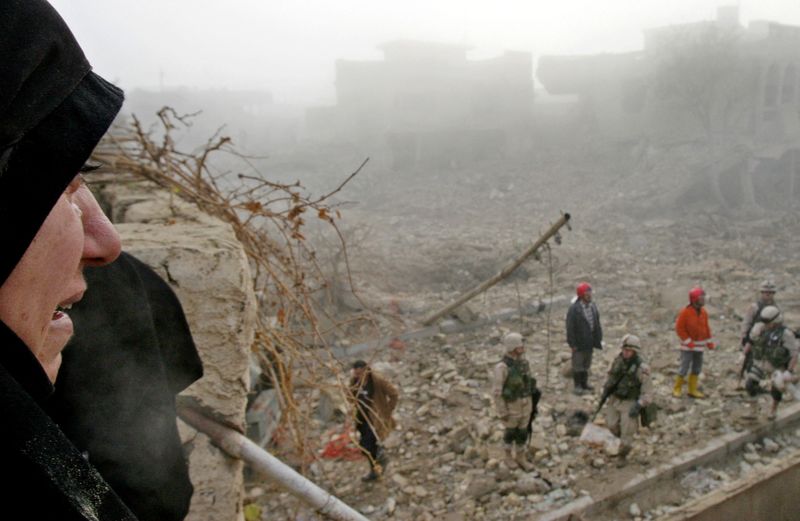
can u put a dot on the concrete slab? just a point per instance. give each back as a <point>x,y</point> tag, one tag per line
<point>714,450</point>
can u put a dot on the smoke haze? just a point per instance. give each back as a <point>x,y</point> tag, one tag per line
<point>289,48</point>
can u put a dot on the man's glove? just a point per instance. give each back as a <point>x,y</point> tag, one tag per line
<point>634,410</point>
<point>711,346</point>
<point>688,343</point>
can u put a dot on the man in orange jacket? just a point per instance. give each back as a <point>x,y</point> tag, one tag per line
<point>692,328</point>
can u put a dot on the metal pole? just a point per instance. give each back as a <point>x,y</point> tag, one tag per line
<point>238,446</point>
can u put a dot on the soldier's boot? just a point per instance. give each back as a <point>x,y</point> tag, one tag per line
<point>510,461</point>
<point>694,392</point>
<point>677,389</point>
<point>624,450</point>
<point>773,411</point>
<point>522,460</point>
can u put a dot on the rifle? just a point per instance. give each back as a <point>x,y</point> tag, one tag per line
<point>536,395</point>
<point>608,391</point>
<point>747,363</point>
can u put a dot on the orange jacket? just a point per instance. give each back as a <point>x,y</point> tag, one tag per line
<point>692,326</point>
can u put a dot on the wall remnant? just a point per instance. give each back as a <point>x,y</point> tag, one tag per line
<point>208,270</point>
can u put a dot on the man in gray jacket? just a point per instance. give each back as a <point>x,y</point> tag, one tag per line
<point>584,334</point>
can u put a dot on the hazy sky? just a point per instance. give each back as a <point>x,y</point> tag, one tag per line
<point>289,46</point>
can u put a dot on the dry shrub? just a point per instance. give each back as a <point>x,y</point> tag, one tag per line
<point>268,219</point>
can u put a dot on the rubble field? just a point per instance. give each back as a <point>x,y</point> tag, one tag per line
<point>420,241</point>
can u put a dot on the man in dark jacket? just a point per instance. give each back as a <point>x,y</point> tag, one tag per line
<point>584,334</point>
<point>374,399</point>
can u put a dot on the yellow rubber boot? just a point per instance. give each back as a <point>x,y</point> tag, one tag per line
<point>678,389</point>
<point>693,391</point>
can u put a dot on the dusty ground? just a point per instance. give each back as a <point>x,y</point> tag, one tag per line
<point>642,243</point>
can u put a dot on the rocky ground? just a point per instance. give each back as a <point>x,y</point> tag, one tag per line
<point>418,242</point>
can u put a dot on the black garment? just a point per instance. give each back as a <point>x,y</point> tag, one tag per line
<point>47,479</point>
<point>580,335</point>
<point>364,395</point>
<point>53,111</point>
<point>115,393</point>
<point>368,440</point>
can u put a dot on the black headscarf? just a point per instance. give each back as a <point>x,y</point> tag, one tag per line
<point>53,112</point>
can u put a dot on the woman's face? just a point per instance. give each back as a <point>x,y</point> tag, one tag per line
<point>49,279</point>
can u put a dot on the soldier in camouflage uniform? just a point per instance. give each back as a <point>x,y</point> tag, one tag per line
<point>753,314</point>
<point>774,349</point>
<point>629,388</point>
<point>751,317</point>
<point>512,387</point>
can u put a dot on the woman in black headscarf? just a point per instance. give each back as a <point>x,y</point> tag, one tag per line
<point>53,111</point>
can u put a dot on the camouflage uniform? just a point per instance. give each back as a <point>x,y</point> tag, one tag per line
<point>634,387</point>
<point>513,386</point>
<point>774,350</point>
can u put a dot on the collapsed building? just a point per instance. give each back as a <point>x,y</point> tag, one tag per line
<point>426,103</point>
<point>712,81</point>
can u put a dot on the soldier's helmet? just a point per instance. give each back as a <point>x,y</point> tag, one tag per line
<point>771,314</point>
<point>758,328</point>
<point>768,286</point>
<point>631,342</point>
<point>512,341</point>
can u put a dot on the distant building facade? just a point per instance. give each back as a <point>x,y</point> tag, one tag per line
<point>690,81</point>
<point>713,81</point>
<point>426,103</point>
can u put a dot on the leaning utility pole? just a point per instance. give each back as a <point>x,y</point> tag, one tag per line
<point>505,272</point>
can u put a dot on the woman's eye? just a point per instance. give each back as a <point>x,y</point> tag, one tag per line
<point>73,186</point>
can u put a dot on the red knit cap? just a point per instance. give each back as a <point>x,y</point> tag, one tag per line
<point>583,287</point>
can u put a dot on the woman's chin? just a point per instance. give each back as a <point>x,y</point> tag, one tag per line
<point>58,334</point>
<point>51,367</point>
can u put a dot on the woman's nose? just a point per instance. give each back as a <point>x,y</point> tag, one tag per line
<point>101,243</point>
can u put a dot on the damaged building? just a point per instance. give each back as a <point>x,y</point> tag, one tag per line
<point>427,103</point>
<point>711,81</point>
